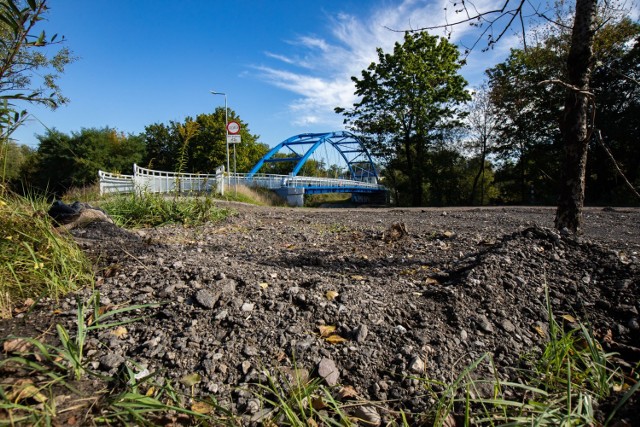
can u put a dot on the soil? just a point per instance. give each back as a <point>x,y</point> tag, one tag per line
<point>411,293</point>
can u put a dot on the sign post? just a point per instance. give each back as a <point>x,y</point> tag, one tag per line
<point>233,137</point>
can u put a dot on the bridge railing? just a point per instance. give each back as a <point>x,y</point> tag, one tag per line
<point>173,182</point>
<point>115,183</point>
<point>279,181</point>
<point>161,182</point>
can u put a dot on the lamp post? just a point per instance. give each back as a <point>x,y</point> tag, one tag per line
<point>226,123</point>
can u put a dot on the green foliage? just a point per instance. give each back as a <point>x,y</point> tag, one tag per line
<point>529,143</point>
<point>29,66</point>
<point>150,210</point>
<point>64,161</point>
<point>409,102</point>
<point>207,149</point>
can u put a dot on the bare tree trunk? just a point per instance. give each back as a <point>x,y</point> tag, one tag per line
<point>575,123</point>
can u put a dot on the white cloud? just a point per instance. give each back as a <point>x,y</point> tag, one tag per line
<point>321,73</point>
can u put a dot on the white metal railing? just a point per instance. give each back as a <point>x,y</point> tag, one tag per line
<point>161,182</point>
<point>115,183</point>
<point>170,182</point>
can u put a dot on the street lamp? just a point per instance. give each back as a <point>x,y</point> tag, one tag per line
<point>226,123</point>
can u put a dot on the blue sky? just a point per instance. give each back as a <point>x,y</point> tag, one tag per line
<point>283,64</point>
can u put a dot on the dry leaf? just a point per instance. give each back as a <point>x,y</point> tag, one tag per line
<point>18,345</point>
<point>331,295</point>
<point>347,392</point>
<point>190,379</point>
<point>326,330</point>
<point>120,332</point>
<point>150,392</point>
<point>318,403</point>
<point>448,234</point>
<point>335,339</point>
<point>431,281</point>
<point>357,277</point>
<point>263,285</point>
<point>201,408</point>
<point>569,318</point>
<point>26,305</point>
<point>540,331</point>
<point>24,389</point>
<point>312,423</point>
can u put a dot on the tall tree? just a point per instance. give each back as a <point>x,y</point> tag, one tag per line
<point>408,100</point>
<point>207,148</point>
<point>29,68</point>
<point>482,124</point>
<point>529,142</point>
<point>575,124</point>
<point>63,161</point>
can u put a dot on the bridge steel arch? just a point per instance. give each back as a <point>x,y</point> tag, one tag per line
<point>349,146</point>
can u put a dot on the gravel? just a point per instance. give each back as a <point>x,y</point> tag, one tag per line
<point>366,298</point>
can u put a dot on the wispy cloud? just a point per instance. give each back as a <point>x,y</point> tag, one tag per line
<point>320,69</point>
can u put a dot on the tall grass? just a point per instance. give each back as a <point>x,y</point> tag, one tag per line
<point>253,195</point>
<point>35,260</point>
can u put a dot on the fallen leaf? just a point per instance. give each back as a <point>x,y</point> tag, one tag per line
<point>23,390</point>
<point>201,408</point>
<point>540,331</point>
<point>448,234</point>
<point>569,318</point>
<point>357,277</point>
<point>312,423</point>
<point>263,285</point>
<point>431,281</point>
<point>318,403</point>
<point>191,379</point>
<point>150,392</point>
<point>120,332</point>
<point>347,392</point>
<point>335,339</point>
<point>18,345</point>
<point>326,330</point>
<point>331,295</point>
<point>26,305</point>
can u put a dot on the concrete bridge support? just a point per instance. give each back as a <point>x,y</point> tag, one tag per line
<point>293,196</point>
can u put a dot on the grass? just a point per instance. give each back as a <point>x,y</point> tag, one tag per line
<point>254,196</point>
<point>151,210</point>
<point>35,260</point>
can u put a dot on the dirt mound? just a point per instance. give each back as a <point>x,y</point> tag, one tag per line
<point>366,298</point>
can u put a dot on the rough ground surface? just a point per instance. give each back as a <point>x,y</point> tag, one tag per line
<point>422,298</point>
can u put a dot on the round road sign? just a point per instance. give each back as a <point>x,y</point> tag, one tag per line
<point>233,128</point>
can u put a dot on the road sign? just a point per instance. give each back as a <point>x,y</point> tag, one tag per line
<point>234,139</point>
<point>233,128</point>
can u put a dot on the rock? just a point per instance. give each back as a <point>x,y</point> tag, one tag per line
<point>367,415</point>
<point>111,361</point>
<point>250,350</point>
<point>206,298</point>
<point>417,365</point>
<point>328,370</point>
<point>246,307</point>
<point>360,333</point>
<point>507,325</point>
<point>484,323</point>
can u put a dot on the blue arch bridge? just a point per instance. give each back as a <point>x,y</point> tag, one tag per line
<point>360,177</point>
